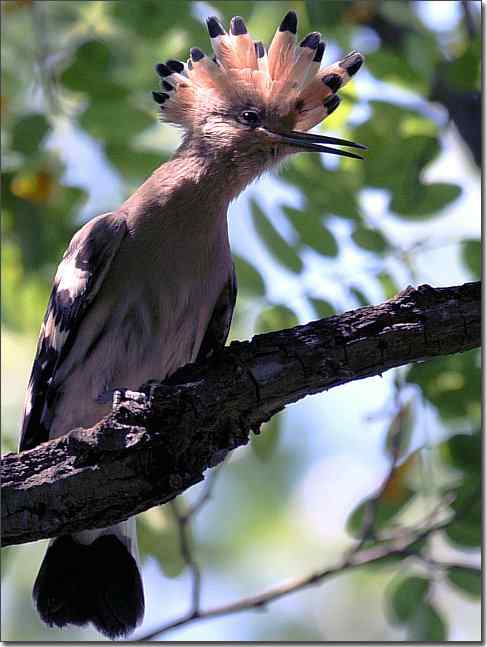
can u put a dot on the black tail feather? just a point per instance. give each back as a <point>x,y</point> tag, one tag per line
<point>59,590</point>
<point>98,583</point>
<point>118,604</point>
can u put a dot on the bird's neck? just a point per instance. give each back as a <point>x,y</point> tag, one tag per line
<point>220,174</point>
<point>196,185</point>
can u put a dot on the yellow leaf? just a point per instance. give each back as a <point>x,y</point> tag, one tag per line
<point>396,486</point>
<point>34,187</point>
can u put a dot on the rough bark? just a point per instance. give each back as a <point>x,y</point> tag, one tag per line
<point>146,454</point>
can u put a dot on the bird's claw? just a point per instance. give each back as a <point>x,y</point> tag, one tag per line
<point>126,394</point>
<point>149,387</point>
<point>117,396</point>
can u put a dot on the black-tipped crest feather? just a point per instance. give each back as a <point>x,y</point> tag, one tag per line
<point>289,22</point>
<point>175,66</point>
<point>259,49</point>
<point>215,28</point>
<point>237,26</point>
<point>320,50</point>
<point>284,79</point>
<point>196,54</point>
<point>163,70</point>
<point>159,97</point>
<point>352,62</point>
<point>311,40</point>
<point>332,103</point>
<point>332,81</point>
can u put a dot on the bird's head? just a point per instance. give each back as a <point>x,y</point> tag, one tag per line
<point>252,104</point>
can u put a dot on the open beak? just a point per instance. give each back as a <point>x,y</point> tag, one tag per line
<point>312,142</point>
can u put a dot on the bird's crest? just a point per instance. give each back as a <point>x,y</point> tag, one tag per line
<point>285,80</point>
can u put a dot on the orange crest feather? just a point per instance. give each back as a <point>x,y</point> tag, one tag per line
<point>286,80</point>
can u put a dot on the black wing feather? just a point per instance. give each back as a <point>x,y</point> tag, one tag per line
<point>76,284</point>
<point>221,319</point>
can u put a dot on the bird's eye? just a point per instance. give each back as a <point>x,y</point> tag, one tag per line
<point>250,118</point>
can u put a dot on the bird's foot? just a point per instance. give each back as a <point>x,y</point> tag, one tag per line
<point>120,395</point>
<point>149,387</point>
<point>117,396</point>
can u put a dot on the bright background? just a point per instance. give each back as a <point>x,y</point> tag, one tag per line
<point>79,133</point>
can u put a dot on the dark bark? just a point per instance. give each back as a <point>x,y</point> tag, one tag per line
<point>465,110</point>
<point>146,454</point>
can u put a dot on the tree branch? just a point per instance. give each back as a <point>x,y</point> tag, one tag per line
<point>402,546</point>
<point>143,455</point>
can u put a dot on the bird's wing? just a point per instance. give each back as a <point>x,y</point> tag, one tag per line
<point>219,325</point>
<point>77,281</point>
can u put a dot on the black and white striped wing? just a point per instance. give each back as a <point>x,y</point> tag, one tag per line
<point>77,281</point>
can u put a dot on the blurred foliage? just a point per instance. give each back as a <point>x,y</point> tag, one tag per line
<point>89,66</point>
<point>409,606</point>
<point>283,253</point>
<point>264,444</point>
<point>159,538</point>
<point>452,385</point>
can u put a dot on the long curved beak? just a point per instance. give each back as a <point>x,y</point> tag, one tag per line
<point>312,142</point>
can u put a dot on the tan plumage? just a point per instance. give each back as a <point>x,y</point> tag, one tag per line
<point>242,44</point>
<point>281,51</point>
<point>150,287</point>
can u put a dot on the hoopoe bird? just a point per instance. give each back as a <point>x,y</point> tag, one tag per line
<point>151,287</point>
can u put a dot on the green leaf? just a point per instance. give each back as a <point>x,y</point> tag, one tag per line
<point>133,164</point>
<point>6,559</point>
<point>249,280</point>
<point>44,220</point>
<point>389,286</point>
<point>463,73</point>
<point>464,533</point>
<point>265,443</point>
<point>360,297</point>
<point>384,509</point>
<point>406,597</point>
<point>275,243</point>
<point>89,70</point>
<point>369,239</point>
<point>451,384</point>
<point>427,625</point>
<point>158,537</point>
<point>472,256</point>
<point>114,122</point>
<point>422,53</point>
<point>312,232</point>
<point>151,18</point>
<point>323,308</point>
<point>327,192</point>
<point>28,133</point>
<point>276,317</point>
<point>401,170</point>
<point>464,451</point>
<point>327,13</point>
<point>400,431</point>
<point>24,296</point>
<point>401,14</point>
<point>423,200</point>
<point>389,66</point>
<point>466,578</point>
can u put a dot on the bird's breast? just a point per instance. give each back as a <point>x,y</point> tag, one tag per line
<point>148,319</point>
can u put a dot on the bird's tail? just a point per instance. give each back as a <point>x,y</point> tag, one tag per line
<point>92,577</point>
